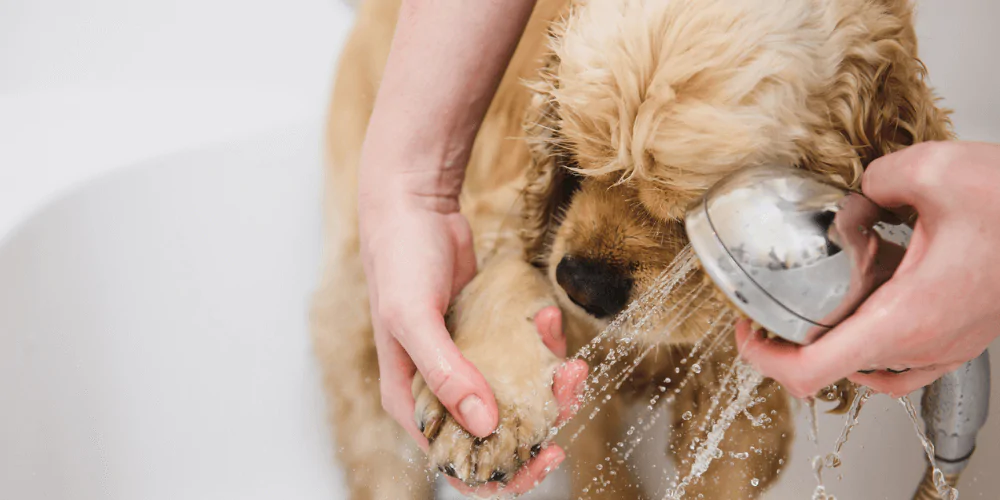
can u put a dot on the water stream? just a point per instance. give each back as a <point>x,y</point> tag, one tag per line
<point>945,491</point>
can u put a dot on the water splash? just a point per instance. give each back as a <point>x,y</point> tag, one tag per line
<point>654,410</point>
<point>813,421</point>
<point>820,492</point>
<point>657,315</point>
<point>945,491</point>
<point>635,318</point>
<point>833,459</point>
<point>746,382</point>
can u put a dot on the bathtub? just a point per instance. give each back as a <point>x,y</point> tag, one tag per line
<point>160,237</point>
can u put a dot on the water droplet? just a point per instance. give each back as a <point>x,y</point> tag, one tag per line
<point>696,368</point>
<point>687,415</point>
<point>755,481</point>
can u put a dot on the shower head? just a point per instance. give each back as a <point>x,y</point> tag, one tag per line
<point>794,251</point>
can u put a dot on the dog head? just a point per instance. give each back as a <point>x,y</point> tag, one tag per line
<point>643,105</point>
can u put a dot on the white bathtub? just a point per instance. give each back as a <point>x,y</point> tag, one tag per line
<point>159,239</point>
<point>153,338</point>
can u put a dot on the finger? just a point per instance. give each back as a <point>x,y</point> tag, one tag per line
<point>901,384</point>
<point>395,379</point>
<point>860,342</point>
<point>536,471</point>
<point>779,360</point>
<point>567,386</point>
<point>901,179</point>
<point>527,478</point>
<point>548,322</point>
<point>452,378</point>
<point>465,254</point>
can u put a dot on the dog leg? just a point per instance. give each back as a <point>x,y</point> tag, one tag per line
<point>379,459</point>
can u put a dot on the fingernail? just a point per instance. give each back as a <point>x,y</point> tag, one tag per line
<point>476,416</point>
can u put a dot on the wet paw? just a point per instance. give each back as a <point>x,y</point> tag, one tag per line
<point>524,427</point>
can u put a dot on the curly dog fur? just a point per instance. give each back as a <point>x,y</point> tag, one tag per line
<point>612,117</point>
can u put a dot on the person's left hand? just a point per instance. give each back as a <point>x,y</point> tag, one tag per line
<point>567,383</point>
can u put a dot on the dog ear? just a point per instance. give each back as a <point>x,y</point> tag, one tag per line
<point>550,179</point>
<point>549,190</point>
<point>880,101</point>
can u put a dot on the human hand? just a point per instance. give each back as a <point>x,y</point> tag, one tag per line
<point>940,309</point>
<point>417,257</point>
<point>399,243</point>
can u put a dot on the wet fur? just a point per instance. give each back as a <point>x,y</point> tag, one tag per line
<point>612,117</point>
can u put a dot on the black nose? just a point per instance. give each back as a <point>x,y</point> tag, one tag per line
<point>599,288</point>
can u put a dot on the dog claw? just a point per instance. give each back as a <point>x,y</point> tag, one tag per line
<point>448,470</point>
<point>431,428</point>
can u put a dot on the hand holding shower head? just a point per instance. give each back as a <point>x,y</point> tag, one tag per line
<point>799,254</point>
<point>794,251</point>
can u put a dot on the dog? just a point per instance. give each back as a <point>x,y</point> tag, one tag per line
<point>612,117</point>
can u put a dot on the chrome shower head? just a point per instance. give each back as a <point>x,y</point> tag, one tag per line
<point>793,250</point>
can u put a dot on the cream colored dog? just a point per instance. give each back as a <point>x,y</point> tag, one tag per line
<point>575,191</point>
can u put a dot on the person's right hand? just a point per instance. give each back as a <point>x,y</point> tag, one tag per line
<point>940,309</point>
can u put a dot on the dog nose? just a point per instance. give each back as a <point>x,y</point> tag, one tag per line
<point>599,288</point>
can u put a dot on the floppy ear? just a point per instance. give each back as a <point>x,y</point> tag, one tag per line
<point>550,182</point>
<point>880,102</point>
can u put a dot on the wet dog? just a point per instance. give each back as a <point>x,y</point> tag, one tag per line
<point>611,118</point>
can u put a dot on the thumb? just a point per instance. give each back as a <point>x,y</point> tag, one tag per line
<point>548,322</point>
<point>567,385</point>
<point>452,378</point>
<point>465,254</point>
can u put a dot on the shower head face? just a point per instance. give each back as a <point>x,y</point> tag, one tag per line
<point>794,251</point>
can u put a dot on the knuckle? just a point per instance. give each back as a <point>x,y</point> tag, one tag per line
<point>797,389</point>
<point>439,381</point>
<point>933,160</point>
<point>392,315</point>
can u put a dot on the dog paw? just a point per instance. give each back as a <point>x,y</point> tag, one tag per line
<point>527,413</point>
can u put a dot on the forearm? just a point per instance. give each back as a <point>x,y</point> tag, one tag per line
<point>446,60</point>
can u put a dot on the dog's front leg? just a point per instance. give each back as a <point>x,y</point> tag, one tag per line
<point>492,323</point>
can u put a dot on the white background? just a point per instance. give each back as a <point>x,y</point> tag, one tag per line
<point>159,219</point>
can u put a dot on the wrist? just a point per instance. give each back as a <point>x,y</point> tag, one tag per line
<point>396,189</point>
